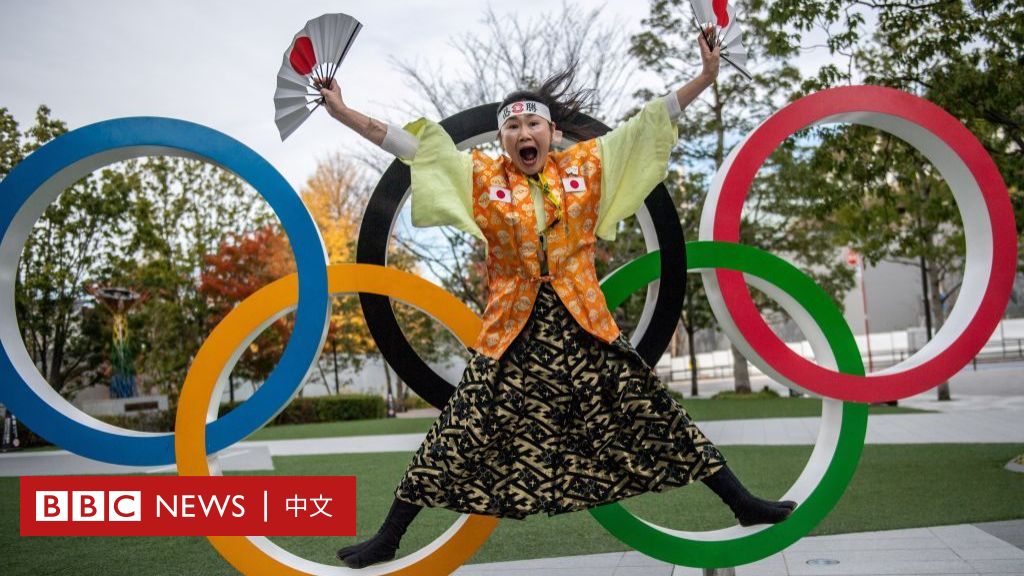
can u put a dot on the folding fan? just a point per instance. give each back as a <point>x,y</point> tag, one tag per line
<point>312,58</point>
<point>722,15</point>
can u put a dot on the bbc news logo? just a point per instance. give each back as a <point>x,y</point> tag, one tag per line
<point>187,506</point>
<point>89,506</point>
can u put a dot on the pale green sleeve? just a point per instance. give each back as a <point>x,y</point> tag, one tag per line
<point>634,159</point>
<point>442,180</point>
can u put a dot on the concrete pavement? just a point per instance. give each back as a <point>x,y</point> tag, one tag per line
<point>963,549</point>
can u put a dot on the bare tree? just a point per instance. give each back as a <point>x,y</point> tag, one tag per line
<point>514,52</point>
<point>507,53</point>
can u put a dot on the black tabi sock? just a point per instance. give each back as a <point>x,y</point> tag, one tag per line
<point>747,508</point>
<point>383,545</point>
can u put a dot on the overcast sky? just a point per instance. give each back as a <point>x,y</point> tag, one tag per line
<point>216,63</point>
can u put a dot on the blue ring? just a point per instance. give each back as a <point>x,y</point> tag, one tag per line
<point>78,153</point>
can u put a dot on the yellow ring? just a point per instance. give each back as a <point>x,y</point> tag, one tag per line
<point>215,359</point>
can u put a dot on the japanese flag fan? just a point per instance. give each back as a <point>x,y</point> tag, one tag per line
<point>722,16</point>
<point>311,61</point>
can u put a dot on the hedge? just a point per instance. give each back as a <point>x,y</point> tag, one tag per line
<point>325,409</point>
<point>298,411</point>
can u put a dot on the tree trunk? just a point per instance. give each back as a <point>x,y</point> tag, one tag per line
<point>389,398</point>
<point>43,353</point>
<point>334,355</point>
<point>399,394</point>
<point>740,372</point>
<point>673,346</point>
<point>932,297</point>
<point>57,360</point>
<point>693,363</point>
<point>691,351</point>
<point>938,319</point>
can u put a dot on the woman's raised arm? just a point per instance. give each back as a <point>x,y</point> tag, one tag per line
<point>689,91</point>
<point>391,138</point>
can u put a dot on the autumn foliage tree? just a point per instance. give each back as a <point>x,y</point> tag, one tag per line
<point>243,264</point>
<point>335,195</point>
<point>246,262</point>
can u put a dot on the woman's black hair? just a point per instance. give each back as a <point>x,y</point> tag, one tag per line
<point>568,107</point>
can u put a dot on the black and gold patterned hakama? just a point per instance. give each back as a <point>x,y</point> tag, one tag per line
<point>562,422</point>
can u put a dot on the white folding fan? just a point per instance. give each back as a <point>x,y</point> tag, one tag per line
<point>722,15</point>
<point>312,58</point>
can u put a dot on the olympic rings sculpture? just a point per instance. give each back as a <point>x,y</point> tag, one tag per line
<point>726,268</point>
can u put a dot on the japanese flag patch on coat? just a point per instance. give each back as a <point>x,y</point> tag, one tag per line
<point>501,194</point>
<point>574,184</point>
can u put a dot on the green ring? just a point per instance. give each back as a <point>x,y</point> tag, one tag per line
<point>655,543</point>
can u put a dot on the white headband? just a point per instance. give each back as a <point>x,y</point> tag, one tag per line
<point>523,107</point>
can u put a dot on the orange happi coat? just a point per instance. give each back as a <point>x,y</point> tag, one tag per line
<point>514,269</point>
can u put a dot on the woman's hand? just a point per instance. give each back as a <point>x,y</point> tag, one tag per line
<point>332,98</point>
<point>372,130</point>
<point>709,56</point>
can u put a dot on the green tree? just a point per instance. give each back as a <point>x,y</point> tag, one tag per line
<point>965,57</point>
<point>779,215</point>
<point>59,259</point>
<point>179,211</point>
<point>142,224</point>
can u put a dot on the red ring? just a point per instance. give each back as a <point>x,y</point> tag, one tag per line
<point>736,296</point>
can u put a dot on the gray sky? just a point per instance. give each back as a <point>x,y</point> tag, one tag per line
<point>216,63</point>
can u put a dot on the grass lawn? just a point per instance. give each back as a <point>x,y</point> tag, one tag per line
<point>898,486</point>
<point>702,409</point>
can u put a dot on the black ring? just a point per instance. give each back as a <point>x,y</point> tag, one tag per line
<point>372,246</point>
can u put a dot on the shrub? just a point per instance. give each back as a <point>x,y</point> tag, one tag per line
<point>325,409</point>
<point>414,402</point>
<point>763,394</point>
<point>298,411</point>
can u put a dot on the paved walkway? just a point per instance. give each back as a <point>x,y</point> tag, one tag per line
<point>237,458</point>
<point>940,551</point>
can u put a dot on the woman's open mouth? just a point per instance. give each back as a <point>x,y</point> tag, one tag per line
<point>528,154</point>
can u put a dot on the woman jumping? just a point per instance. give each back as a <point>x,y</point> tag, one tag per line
<point>556,412</point>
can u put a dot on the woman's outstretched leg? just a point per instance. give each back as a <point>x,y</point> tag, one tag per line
<point>384,544</point>
<point>749,509</point>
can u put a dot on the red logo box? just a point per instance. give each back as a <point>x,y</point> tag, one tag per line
<point>188,506</point>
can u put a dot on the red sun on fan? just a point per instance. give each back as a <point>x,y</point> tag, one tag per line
<point>309,63</point>
<point>302,57</point>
